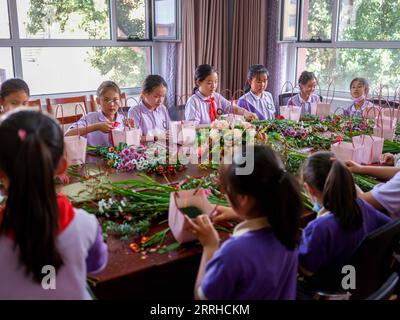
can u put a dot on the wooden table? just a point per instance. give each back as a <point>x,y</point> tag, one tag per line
<point>160,276</point>
<point>169,276</point>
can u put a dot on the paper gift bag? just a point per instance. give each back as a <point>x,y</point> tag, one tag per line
<point>291,113</point>
<point>346,151</point>
<point>183,132</point>
<point>129,136</point>
<point>373,148</point>
<point>385,127</point>
<point>187,202</point>
<point>371,112</point>
<point>386,133</point>
<point>321,109</point>
<point>75,147</point>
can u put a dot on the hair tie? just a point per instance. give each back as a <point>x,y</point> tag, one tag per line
<point>22,134</point>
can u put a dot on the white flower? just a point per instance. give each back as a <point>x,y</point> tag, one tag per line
<point>237,134</point>
<point>214,134</point>
<point>102,205</point>
<point>120,209</point>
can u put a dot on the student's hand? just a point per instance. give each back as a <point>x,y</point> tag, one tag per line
<point>223,214</point>
<point>354,167</point>
<point>388,159</point>
<point>249,115</point>
<point>105,127</point>
<point>203,228</point>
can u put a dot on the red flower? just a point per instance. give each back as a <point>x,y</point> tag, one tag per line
<point>339,139</point>
<point>281,117</point>
<point>115,124</point>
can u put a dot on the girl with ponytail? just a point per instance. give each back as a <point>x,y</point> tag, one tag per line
<point>329,241</point>
<point>39,229</point>
<point>260,260</point>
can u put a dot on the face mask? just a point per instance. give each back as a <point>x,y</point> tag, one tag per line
<point>359,99</point>
<point>317,207</point>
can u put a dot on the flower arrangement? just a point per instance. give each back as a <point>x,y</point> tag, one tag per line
<point>152,159</point>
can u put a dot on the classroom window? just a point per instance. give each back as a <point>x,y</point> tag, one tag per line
<point>380,66</point>
<point>316,20</point>
<point>369,20</point>
<point>6,64</point>
<point>4,21</point>
<point>46,72</point>
<point>132,19</point>
<point>165,23</point>
<point>39,19</point>
<point>343,39</point>
<point>288,28</point>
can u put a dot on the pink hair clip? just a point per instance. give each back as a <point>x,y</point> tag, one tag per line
<point>22,134</point>
<point>333,159</point>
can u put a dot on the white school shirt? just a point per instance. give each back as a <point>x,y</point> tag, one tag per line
<point>305,105</point>
<point>73,243</point>
<point>197,108</point>
<point>150,121</point>
<point>388,195</point>
<point>96,138</point>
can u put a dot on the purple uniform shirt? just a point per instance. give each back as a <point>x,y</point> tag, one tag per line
<point>150,122</point>
<point>96,138</point>
<point>325,244</point>
<point>197,108</point>
<point>262,106</point>
<point>388,195</point>
<point>252,265</point>
<point>298,101</point>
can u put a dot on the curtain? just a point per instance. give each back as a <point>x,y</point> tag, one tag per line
<point>274,50</point>
<point>249,33</point>
<point>204,40</point>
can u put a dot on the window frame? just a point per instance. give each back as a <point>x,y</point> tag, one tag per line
<point>16,43</point>
<point>334,43</point>
<point>178,22</point>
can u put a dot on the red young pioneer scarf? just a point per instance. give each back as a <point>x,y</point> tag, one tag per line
<point>213,110</point>
<point>66,214</point>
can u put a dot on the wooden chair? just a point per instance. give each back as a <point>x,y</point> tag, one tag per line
<point>35,104</point>
<point>71,102</point>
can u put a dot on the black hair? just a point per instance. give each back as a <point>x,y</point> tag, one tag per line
<point>202,72</point>
<point>153,81</point>
<point>306,76</point>
<point>31,211</point>
<point>13,85</point>
<point>364,81</point>
<point>269,184</point>
<point>107,85</point>
<point>332,178</point>
<point>255,71</point>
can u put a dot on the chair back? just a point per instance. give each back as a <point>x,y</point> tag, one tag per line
<point>35,104</point>
<point>387,289</point>
<point>177,113</point>
<point>69,108</point>
<point>374,259</point>
<point>284,98</point>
